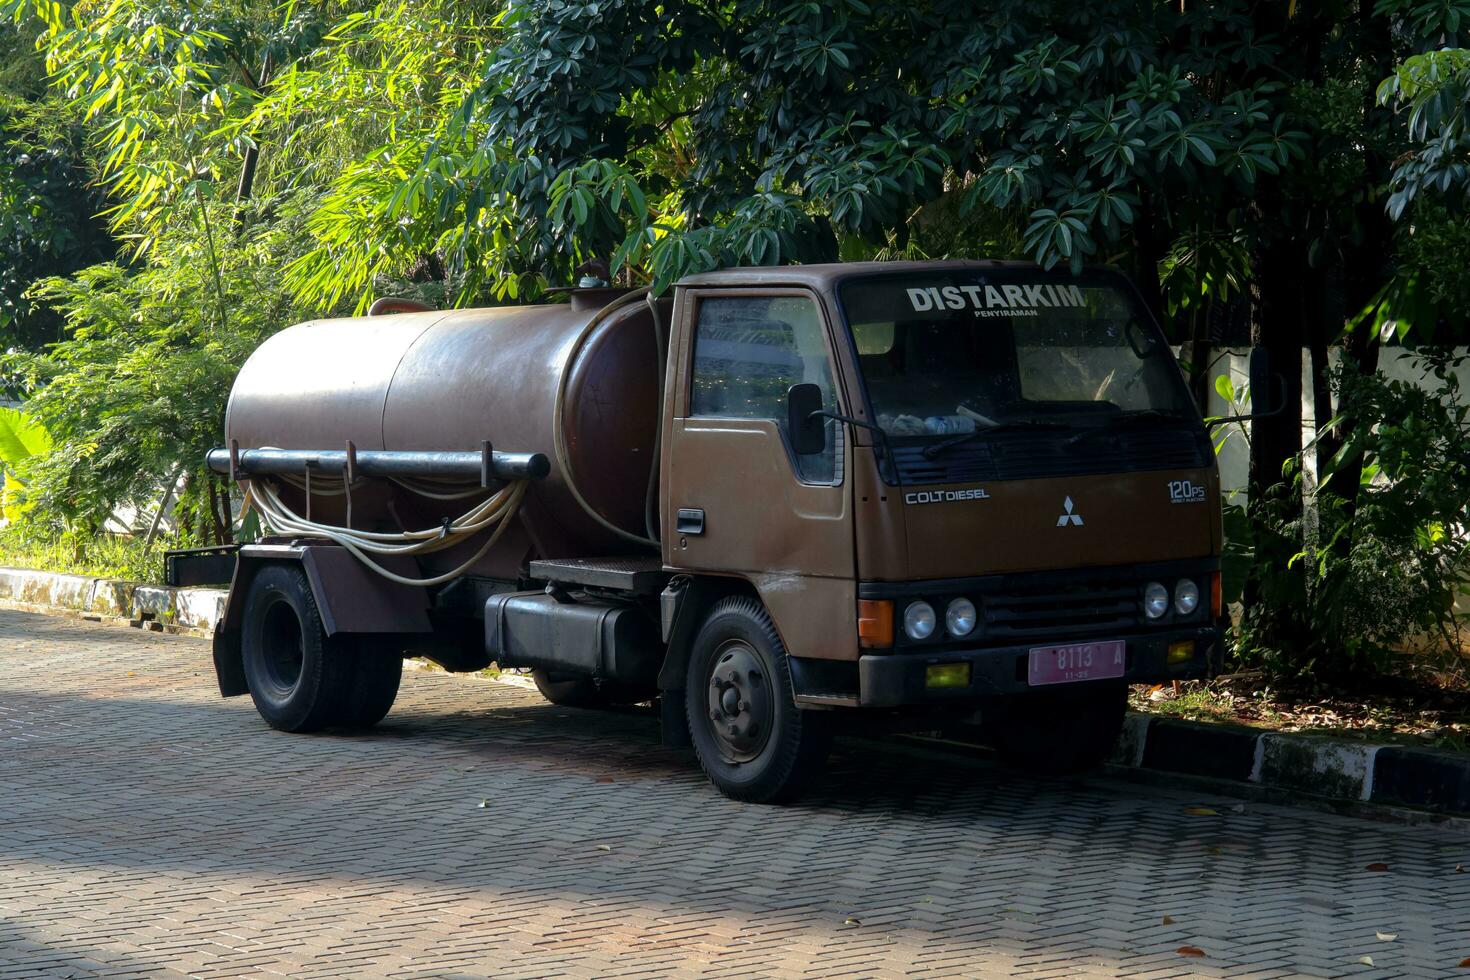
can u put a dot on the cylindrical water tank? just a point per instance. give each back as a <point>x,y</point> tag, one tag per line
<point>448,381</point>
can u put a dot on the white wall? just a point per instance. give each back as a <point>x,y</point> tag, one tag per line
<point>1235,458</point>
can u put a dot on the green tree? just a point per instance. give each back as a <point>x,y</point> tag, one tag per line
<point>213,130</point>
<point>48,223</point>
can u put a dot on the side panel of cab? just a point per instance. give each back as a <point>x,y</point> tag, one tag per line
<point>738,502</point>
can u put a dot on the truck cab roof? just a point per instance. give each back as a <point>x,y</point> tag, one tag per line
<point>825,275</point>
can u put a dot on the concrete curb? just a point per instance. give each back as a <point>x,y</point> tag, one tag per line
<point>1328,768</point>
<point>1335,769</point>
<point>191,611</point>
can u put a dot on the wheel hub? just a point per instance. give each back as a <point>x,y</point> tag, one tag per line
<point>740,702</point>
<point>284,645</point>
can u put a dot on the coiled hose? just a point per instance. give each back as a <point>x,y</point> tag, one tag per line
<point>498,510</point>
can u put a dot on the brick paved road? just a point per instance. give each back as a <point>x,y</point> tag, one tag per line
<point>147,827</point>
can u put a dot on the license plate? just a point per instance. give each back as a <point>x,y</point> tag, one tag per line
<point>1076,662</point>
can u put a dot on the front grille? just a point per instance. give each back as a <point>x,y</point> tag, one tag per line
<point>1060,611</point>
<point>1031,455</point>
<point>1020,609</point>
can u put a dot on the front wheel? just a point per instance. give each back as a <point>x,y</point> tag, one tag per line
<point>751,739</point>
<point>1056,733</point>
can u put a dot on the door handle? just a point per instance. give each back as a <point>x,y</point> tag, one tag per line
<point>690,520</point>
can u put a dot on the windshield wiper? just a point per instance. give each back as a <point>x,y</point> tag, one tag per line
<point>929,452</point>
<point>1127,419</point>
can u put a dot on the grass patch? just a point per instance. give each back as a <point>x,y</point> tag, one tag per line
<point>1433,718</point>
<point>102,556</point>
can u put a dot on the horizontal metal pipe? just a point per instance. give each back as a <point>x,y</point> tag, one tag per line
<point>381,462</point>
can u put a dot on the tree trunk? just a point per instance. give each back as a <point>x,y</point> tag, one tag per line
<point>1280,321</point>
<point>248,166</point>
<point>1275,588</point>
<point>1147,253</point>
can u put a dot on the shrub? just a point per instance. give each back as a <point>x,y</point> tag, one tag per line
<point>1388,556</point>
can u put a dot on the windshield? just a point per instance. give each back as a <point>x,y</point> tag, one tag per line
<point>970,351</point>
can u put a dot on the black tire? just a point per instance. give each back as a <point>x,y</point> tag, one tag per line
<point>300,679</point>
<point>1057,733</point>
<point>377,669</point>
<point>751,739</point>
<point>571,691</point>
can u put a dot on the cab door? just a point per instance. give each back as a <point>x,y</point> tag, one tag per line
<point>739,500</point>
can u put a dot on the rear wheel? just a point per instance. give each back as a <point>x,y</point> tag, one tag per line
<point>750,737</point>
<point>377,669</point>
<point>300,679</point>
<point>1058,732</point>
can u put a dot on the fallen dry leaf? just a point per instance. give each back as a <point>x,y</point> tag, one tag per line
<point>482,804</point>
<point>1168,920</point>
<point>1201,811</point>
<point>1190,951</point>
<point>1465,963</point>
<point>604,847</point>
<point>851,922</point>
<point>1376,866</point>
<point>1365,960</point>
<point>1459,869</point>
<point>1387,937</point>
<point>604,779</point>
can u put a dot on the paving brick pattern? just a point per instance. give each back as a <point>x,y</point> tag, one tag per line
<point>149,828</point>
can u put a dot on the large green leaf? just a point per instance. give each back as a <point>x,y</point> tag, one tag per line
<point>21,437</point>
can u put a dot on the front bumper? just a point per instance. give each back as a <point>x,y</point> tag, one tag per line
<point>894,679</point>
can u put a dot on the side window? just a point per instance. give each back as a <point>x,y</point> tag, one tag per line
<point>748,351</point>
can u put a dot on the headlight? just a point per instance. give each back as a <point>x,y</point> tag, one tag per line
<point>1186,596</point>
<point>960,617</point>
<point>1155,600</point>
<point>918,620</point>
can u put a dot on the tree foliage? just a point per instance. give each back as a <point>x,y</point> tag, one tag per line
<point>1295,169</point>
<point>672,138</point>
<point>47,211</point>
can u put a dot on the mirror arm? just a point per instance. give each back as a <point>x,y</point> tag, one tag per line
<point>888,456</point>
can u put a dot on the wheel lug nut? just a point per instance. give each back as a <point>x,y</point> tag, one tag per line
<point>741,706</point>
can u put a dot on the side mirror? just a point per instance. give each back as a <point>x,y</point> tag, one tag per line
<point>807,429</point>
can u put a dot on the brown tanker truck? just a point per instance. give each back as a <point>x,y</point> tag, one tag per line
<point>783,499</point>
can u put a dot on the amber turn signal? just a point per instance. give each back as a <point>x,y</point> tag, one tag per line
<point>1181,652</point>
<point>1217,606</point>
<point>875,622</point>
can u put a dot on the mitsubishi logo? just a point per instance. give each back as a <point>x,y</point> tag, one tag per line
<point>1069,517</point>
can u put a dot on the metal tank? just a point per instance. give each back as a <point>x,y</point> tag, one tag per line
<point>448,381</point>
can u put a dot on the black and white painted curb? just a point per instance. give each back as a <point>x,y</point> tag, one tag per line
<point>1335,769</point>
<point>110,600</point>
<point>1329,768</point>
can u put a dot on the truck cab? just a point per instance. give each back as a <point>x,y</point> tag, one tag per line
<point>947,485</point>
<point>879,494</point>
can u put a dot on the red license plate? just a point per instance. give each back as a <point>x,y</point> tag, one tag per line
<point>1076,662</point>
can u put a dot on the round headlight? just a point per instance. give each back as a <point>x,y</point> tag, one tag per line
<point>960,617</point>
<point>918,620</point>
<point>1155,600</point>
<point>1186,596</point>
